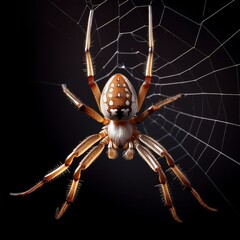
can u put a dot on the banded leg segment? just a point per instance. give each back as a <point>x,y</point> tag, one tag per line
<point>145,114</point>
<point>184,180</point>
<point>83,107</point>
<point>78,151</point>
<point>161,151</point>
<point>148,74</point>
<point>84,164</point>
<point>90,73</point>
<point>156,167</point>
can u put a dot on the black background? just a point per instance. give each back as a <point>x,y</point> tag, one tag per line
<point>115,194</point>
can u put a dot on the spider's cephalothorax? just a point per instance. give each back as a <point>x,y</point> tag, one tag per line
<point>119,105</point>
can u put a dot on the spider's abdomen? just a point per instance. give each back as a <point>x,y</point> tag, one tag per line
<point>119,99</point>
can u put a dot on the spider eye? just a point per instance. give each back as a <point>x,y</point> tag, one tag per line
<point>118,99</point>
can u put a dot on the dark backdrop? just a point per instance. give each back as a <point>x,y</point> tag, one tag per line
<point>114,194</point>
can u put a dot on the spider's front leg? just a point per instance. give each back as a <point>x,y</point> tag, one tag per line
<point>148,74</point>
<point>90,73</point>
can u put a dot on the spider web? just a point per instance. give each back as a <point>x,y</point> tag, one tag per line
<point>195,54</point>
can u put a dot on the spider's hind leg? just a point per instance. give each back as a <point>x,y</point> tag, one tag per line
<point>156,167</point>
<point>161,151</point>
<point>83,165</point>
<point>77,152</point>
<point>184,180</point>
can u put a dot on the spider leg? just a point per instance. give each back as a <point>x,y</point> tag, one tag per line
<point>83,165</point>
<point>83,107</point>
<point>78,151</point>
<point>148,74</point>
<point>161,151</point>
<point>90,73</point>
<point>145,114</point>
<point>156,167</point>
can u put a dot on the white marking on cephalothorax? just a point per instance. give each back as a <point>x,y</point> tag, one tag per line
<point>119,85</point>
<point>127,102</point>
<point>126,90</point>
<point>111,90</point>
<point>113,112</point>
<point>119,95</point>
<point>127,95</point>
<point>112,85</point>
<point>124,85</point>
<point>110,102</point>
<point>125,111</point>
<point>110,95</point>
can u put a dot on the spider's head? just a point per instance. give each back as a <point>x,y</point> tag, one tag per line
<point>119,99</point>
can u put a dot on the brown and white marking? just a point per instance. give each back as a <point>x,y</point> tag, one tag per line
<point>119,99</point>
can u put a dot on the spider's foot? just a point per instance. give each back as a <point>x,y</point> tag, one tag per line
<point>197,196</point>
<point>174,214</point>
<point>180,95</point>
<point>60,211</point>
<point>212,209</point>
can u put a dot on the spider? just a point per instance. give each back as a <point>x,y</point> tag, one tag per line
<point>119,103</point>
